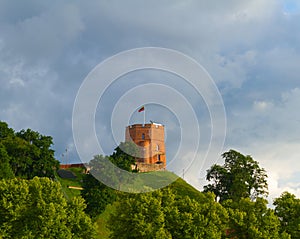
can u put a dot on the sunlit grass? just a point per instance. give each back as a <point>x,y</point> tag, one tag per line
<point>77,182</point>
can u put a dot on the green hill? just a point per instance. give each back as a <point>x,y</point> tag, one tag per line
<point>66,182</point>
<point>180,187</point>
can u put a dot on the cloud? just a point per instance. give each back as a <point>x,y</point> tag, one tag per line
<point>270,133</point>
<point>262,106</point>
<point>43,36</point>
<point>251,50</point>
<point>281,161</point>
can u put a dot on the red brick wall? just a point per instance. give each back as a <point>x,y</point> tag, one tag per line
<point>74,165</point>
<point>151,137</point>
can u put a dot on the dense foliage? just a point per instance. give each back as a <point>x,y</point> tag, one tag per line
<point>161,214</point>
<point>252,219</point>
<point>287,208</point>
<point>25,154</point>
<point>5,169</point>
<point>167,213</point>
<point>96,194</point>
<point>37,208</point>
<point>124,155</point>
<point>240,177</point>
<point>178,211</point>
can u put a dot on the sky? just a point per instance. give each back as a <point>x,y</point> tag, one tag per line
<point>250,49</point>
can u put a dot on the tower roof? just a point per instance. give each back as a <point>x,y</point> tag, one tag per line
<point>147,124</point>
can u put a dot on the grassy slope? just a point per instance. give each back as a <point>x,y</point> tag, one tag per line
<point>70,193</point>
<point>180,187</point>
<point>102,231</point>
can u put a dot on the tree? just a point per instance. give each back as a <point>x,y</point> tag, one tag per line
<point>252,220</point>
<point>287,208</point>
<point>77,221</point>
<point>37,208</point>
<point>201,218</point>
<point>240,177</point>
<point>161,214</point>
<point>44,162</point>
<point>5,169</point>
<point>138,216</point>
<point>22,156</point>
<point>97,195</point>
<point>124,155</point>
<point>5,131</point>
<point>29,152</point>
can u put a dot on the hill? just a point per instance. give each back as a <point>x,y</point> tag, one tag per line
<point>66,181</point>
<point>180,187</point>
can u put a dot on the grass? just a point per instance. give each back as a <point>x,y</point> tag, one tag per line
<point>181,188</point>
<point>77,182</point>
<point>146,182</point>
<point>158,179</point>
<point>102,220</point>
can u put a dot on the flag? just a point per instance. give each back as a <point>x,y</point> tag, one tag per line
<point>141,109</point>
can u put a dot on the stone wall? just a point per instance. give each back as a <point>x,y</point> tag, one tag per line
<point>147,167</point>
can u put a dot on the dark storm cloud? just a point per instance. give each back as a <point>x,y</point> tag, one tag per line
<point>251,49</point>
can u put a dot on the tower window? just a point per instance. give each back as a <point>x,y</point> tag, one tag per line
<point>158,157</point>
<point>157,147</point>
<point>143,136</point>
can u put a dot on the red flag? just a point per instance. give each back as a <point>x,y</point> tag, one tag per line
<point>141,109</point>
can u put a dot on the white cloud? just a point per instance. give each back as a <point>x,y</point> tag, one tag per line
<point>17,81</point>
<point>269,131</point>
<point>262,105</point>
<point>281,161</point>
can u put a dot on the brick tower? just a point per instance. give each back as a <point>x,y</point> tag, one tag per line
<point>151,138</point>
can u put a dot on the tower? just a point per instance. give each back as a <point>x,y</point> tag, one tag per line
<point>151,139</point>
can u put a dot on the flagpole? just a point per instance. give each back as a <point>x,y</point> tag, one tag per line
<point>144,111</point>
<point>144,116</point>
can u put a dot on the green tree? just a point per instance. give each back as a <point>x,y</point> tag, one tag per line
<point>287,208</point>
<point>139,216</point>
<point>124,155</point>
<point>201,218</point>
<point>240,177</point>
<point>97,195</point>
<point>29,152</point>
<point>5,169</point>
<point>77,221</point>
<point>161,214</point>
<point>44,162</point>
<point>252,220</point>
<point>22,156</point>
<point>37,208</point>
<point>5,131</point>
